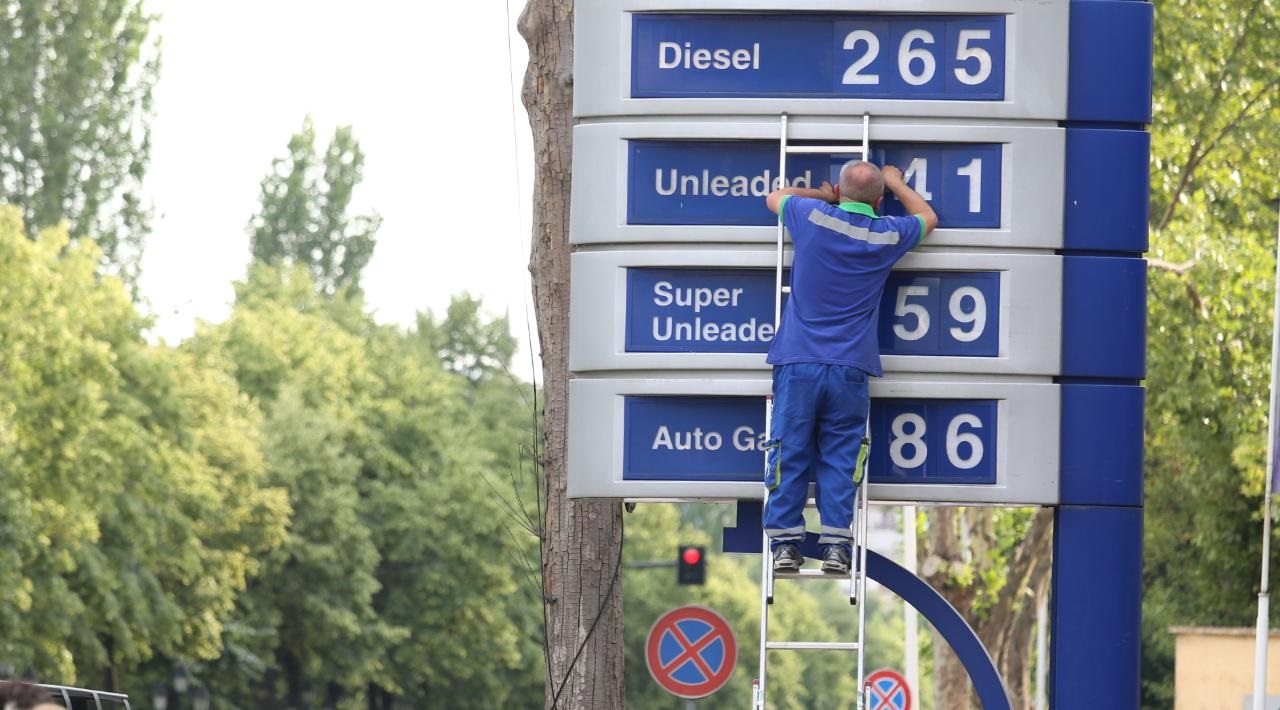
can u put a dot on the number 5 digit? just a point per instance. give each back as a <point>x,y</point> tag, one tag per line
<point>965,52</point>
<point>902,308</point>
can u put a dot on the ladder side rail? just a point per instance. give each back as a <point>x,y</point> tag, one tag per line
<point>863,500</point>
<point>862,506</point>
<point>766,566</point>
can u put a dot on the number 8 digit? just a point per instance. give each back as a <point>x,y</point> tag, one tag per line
<point>901,439</point>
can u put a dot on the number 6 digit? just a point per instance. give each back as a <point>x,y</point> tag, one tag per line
<point>955,439</point>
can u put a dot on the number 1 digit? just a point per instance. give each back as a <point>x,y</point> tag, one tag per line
<point>973,171</point>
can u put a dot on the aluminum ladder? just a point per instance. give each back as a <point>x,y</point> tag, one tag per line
<point>857,577</point>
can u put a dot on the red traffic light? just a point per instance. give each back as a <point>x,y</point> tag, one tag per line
<point>691,564</point>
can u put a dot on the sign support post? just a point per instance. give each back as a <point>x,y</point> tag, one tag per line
<point>1263,630</point>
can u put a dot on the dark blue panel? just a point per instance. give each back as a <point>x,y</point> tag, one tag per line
<point>940,313</point>
<point>720,438</point>
<point>941,441</point>
<point>725,182</point>
<point>1104,317</point>
<point>711,310</point>
<point>1107,189</point>
<point>949,57</point>
<point>1101,444</point>
<point>1110,61</point>
<point>1096,608</point>
<point>693,439</point>
<point>713,182</point>
<point>988,686</point>
<point>700,310</point>
<point>961,182</point>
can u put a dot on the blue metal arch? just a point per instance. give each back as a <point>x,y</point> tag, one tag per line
<point>913,590</point>
<point>957,632</point>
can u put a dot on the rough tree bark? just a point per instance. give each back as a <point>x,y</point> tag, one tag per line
<point>582,539</point>
<point>959,537</point>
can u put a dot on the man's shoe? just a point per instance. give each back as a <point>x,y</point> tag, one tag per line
<point>835,560</point>
<point>787,558</point>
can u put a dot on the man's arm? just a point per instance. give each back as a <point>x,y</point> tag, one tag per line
<point>910,199</point>
<point>826,193</point>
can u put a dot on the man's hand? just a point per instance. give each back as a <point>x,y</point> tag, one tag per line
<point>829,193</point>
<point>911,201</point>
<point>826,193</point>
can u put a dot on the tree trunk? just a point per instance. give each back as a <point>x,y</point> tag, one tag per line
<point>951,682</point>
<point>582,540</point>
<point>964,536</point>
<point>944,549</point>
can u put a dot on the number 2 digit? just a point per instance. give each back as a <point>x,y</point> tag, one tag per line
<point>852,75</point>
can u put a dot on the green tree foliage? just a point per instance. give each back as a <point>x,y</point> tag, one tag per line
<point>134,494</point>
<point>75,106</point>
<point>396,576</point>
<point>466,343</point>
<point>1214,178</point>
<point>303,211</point>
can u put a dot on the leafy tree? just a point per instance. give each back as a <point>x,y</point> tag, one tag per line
<point>133,474</point>
<point>75,107</point>
<point>1211,290</point>
<point>303,211</point>
<point>396,533</point>
<point>467,344</point>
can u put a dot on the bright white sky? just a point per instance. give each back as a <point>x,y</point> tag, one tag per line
<point>426,87</point>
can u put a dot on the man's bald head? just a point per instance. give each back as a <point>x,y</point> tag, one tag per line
<point>861,181</point>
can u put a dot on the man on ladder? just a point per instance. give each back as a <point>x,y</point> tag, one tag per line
<point>826,348</point>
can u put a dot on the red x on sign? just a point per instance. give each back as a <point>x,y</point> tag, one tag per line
<point>889,691</point>
<point>690,652</point>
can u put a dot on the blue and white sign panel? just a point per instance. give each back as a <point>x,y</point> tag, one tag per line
<point>982,58</point>
<point>960,440</point>
<point>705,181</point>
<point>722,182</point>
<point>964,313</point>
<point>852,55</point>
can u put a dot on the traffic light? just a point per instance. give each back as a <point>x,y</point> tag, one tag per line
<point>691,565</point>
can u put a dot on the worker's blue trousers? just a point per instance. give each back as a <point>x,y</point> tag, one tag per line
<point>819,424</point>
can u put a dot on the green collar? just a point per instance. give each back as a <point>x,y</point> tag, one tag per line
<point>858,208</point>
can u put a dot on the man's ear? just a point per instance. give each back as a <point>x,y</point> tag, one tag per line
<point>879,204</point>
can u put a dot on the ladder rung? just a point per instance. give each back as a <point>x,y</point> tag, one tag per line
<point>800,149</point>
<point>812,646</point>
<point>809,574</point>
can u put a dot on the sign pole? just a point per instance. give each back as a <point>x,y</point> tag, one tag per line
<point>1260,649</point>
<point>910,617</point>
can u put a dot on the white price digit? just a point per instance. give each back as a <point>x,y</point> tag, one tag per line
<point>955,439</point>
<point>977,315</point>
<point>902,439</point>
<point>964,52</point>
<point>906,54</point>
<point>852,75</point>
<point>902,308</point>
<point>919,170</point>
<point>973,171</point>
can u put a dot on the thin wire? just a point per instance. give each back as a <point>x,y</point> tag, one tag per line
<point>521,228</point>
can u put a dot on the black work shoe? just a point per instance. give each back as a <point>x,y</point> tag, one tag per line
<point>787,558</point>
<point>835,560</point>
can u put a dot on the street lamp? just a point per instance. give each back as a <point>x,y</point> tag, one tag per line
<point>200,700</point>
<point>159,696</point>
